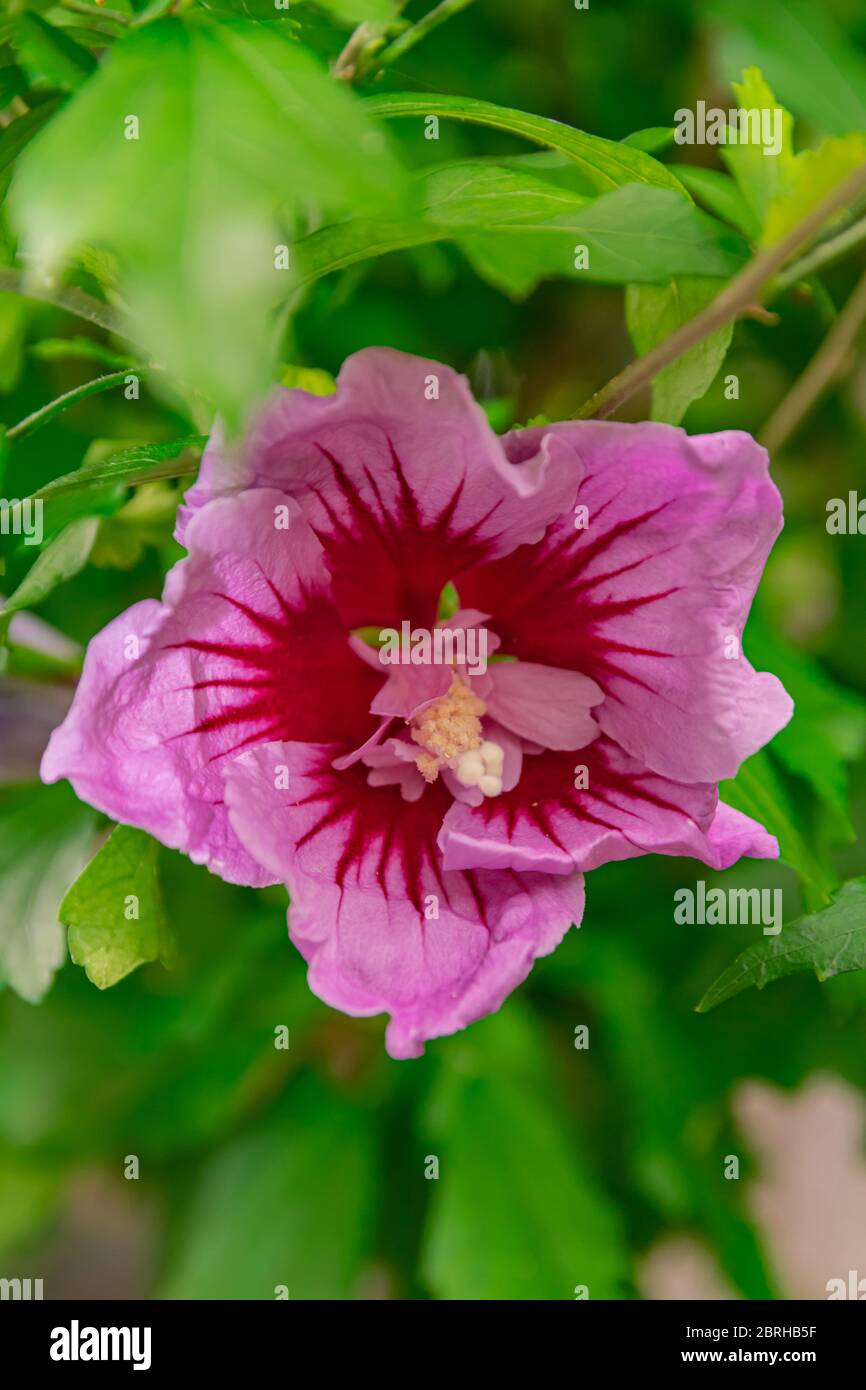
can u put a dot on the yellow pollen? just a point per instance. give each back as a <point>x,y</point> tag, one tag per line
<point>447,729</point>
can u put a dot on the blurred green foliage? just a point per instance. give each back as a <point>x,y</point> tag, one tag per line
<point>512,1161</point>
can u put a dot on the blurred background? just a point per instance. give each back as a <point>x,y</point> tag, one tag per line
<point>154,1139</point>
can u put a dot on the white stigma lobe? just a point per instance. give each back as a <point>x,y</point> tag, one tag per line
<point>482,768</point>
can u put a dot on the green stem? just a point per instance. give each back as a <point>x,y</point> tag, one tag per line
<point>68,297</point>
<point>151,12</point>
<point>96,11</point>
<point>353,61</point>
<point>408,39</point>
<point>739,294</point>
<point>46,413</point>
<point>822,255</point>
<point>827,366</point>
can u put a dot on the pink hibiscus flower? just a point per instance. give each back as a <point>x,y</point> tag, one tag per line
<point>295,709</point>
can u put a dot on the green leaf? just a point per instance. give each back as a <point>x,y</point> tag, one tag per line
<point>515,1213</point>
<point>347,243</point>
<point>114,912</point>
<point>636,234</point>
<point>44,837</point>
<point>606,163</point>
<point>313,380</point>
<point>13,82</point>
<point>78,349</point>
<point>760,174</point>
<point>144,463</point>
<point>782,188</point>
<point>50,56</point>
<point>552,168</point>
<point>652,313</point>
<point>647,1042</point>
<point>827,730</point>
<point>517,230</point>
<point>830,942</point>
<point>233,121</point>
<point>147,519</point>
<point>18,135</point>
<point>46,413</point>
<point>98,488</point>
<point>352,12</point>
<point>481,193</point>
<point>60,560</point>
<point>810,178</point>
<point>652,140</point>
<point>722,197</point>
<point>13,317</point>
<point>251,9</point>
<point>288,1204</point>
<point>760,792</point>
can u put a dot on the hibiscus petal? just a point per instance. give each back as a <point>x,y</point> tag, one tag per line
<point>394,763</point>
<point>546,706</point>
<point>734,835</point>
<point>408,688</point>
<point>403,490</point>
<point>650,598</point>
<point>362,867</point>
<point>245,647</point>
<point>547,825</point>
